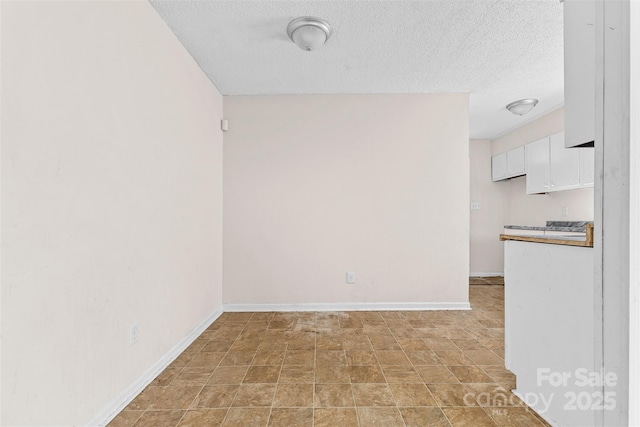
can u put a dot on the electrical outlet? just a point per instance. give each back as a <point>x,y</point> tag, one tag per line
<point>476,206</point>
<point>133,333</point>
<point>565,211</point>
<point>351,277</point>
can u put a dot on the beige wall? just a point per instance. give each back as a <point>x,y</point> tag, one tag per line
<point>315,186</point>
<point>537,209</point>
<point>544,126</point>
<point>486,250</point>
<point>111,198</point>
<point>508,203</point>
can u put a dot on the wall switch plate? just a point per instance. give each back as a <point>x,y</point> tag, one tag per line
<point>476,206</point>
<point>565,211</point>
<point>133,333</point>
<point>351,277</point>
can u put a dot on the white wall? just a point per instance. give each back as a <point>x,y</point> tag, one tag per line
<point>111,198</point>
<point>486,249</point>
<point>634,216</point>
<point>507,202</point>
<point>315,186</point>
<point>617,132</point>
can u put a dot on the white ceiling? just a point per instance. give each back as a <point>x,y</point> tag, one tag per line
<point>498,51</point>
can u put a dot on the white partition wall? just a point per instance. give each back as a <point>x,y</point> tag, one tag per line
<point>316,186</point>
<point>111,205</point>
<point>549,329</point>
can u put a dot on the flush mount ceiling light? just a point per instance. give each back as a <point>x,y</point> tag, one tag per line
<point>522,106</point>
<point>309,33</point>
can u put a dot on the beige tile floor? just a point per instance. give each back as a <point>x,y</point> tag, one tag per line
<point>400,368</point>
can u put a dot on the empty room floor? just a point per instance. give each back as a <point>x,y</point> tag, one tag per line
<point>400,368</point>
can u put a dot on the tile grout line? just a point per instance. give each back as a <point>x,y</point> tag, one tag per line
<point>422,379</point>
<point>273,398</point>
<point>479,337</point>
<point>174,378</point>
<point>383,374</point>
<point>276,383</point>
<point>203,386</point>
<point>353,394</point>
<point>243,377</point>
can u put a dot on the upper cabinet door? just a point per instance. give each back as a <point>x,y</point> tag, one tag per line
<point>537,165</point>
<point>508,165</point>
<point>579,72</point>
<point>515,162</point>
<point>499,167</point>
<point>564,164</point>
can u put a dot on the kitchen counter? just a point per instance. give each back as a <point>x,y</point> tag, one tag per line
<point>549,327</point>
<point>565,226</point>
<point>568,240</point>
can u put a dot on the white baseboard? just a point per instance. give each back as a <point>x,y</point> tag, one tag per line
<point>497,273</point>
<point>124,398</point>
<point>365,306</point>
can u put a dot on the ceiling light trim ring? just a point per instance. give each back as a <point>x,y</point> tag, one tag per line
<point>308,21</point>
<point>522,106</point>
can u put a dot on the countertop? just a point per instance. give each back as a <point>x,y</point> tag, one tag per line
<point>586,241</point>
<point>567,226</point>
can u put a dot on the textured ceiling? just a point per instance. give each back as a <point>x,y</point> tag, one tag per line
<point>498,51</point>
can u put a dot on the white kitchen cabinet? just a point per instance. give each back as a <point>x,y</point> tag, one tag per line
<point>499,167</point>
<point>587,166</point>
<point>552,167</point>
<point>515,162</point>
<point>579,72</point>
<point>537,165</point>
<point>508,165</point>
<point>564,164</point>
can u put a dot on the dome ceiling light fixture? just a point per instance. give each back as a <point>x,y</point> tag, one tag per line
<point>308,32</point>
<point>522,106</point>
